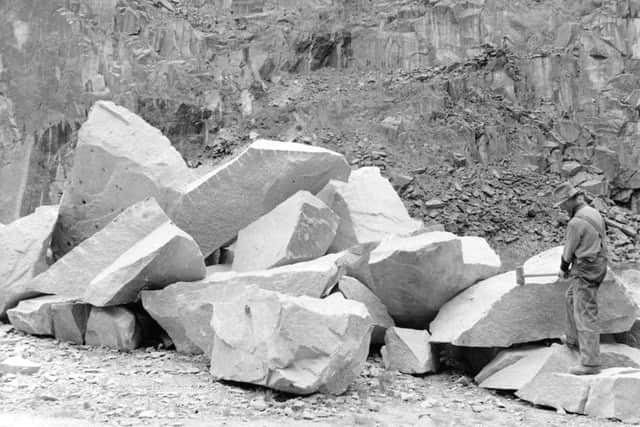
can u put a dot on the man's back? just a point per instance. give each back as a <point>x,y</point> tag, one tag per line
<point>583,233</point>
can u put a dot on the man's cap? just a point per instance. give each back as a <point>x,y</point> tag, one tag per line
<point>564,192</point>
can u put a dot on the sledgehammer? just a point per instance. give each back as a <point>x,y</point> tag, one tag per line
<point>520,276</point>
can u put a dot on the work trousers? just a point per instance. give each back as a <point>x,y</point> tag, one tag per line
<point>582,309</point>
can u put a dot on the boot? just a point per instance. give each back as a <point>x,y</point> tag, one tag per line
<point>584,370</point>
<point>571,344</point>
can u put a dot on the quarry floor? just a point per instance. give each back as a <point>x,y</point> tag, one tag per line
<point>83,386</point>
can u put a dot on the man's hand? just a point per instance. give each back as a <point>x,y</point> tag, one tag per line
<point>563,275</point>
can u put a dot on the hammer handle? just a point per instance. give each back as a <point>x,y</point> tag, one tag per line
<point>540,275</point>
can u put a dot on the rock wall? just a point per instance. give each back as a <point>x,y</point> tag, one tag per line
<point>196,68</point>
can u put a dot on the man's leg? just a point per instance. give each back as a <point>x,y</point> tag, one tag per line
<point>585,306</point>
<point>570,338</point>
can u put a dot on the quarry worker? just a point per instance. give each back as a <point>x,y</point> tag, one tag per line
<point>584,263</point>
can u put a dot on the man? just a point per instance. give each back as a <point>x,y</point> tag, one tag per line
<point>584,263</point>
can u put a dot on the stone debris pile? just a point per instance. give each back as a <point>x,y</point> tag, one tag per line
<point>285,269</point>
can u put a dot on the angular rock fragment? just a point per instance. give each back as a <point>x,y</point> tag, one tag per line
<point>70,321</point>
<point>184,309</point>
<point>299,229</point>
<point>293,344</point>
<point>514,368</point>
<point>408,351</point>
<point>33,316</point>
<point>415,276</point>
<point>140,249</point>
<point>23,250</point>
<point>113,327</point>
<point>18,365</point>
<point>355,290</point>
<point>120,160</point>
<point>614,393</point>
<point>497,312</point>
<point>215,207</point>
<point>369,209</point>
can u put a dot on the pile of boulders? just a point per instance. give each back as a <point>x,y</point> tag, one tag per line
<point>285,268</point>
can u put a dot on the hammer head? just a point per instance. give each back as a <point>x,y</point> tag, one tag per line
<point>520,275</point>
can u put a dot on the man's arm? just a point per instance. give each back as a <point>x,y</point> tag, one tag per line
<point>572,240</point>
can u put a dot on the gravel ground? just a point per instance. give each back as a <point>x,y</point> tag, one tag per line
<point>81,386</point>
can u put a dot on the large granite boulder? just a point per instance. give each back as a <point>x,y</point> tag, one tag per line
<point>297,345</point>
<point>512,369</point>
<point>369,208</point>
<point>355,290</point>
<point>497,312</point>
<point>120,160</point>
<point>408,351</point>
<point>415,276</point>
<point>23,252</point>
<point>33,316</point>
<point>113,327</point>
<point>299,229</point>
<point>614,393</point>
<point>139,249</point>
<point>215,207</point>
<point>184,310</point>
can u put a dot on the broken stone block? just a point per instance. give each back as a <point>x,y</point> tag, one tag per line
<point>597,186</point>
<point>140,249</point>
<point>607,160</point>
<point>570,168</point>
<point>613,393</point>
<point>113,327</point>
<point>408,351</point>
<point>184,309</point>
<point>355,290</point>
<point>369,209</point>
<point>497,312</point>
<point>33,316</point>
<point>513,369</point>
<point>23,250</point>
<point>70,321</point>
<point>120,160</point>
<point>297,345</point>
<point>299,229</point>
<point>18,365</point>
<point>218,205</point>
<point>415,276</point>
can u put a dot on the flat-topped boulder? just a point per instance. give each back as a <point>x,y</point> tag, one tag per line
<point>408,351</point>
<point>139,249</point>
<point>355,290</point>
<point>369,208</point>
<point>184,309</point>
<point>119,160</point>
<point>113,327</point>
<point>613,393</point>
<point>299,229</point>
<point>513,369</point>
<point>23,252</point>
<point>33,316</point>
<point>415,276</point>
<point>497,312</point>
<point>297,345</point>
<point>215,207</point>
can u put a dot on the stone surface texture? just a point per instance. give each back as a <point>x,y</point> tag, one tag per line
<point>408,351</point>
<point>113,327</point>
<point>299,229</point>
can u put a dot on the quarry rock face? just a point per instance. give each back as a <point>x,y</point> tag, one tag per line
<point>23,251</point>
<point>216,206</point>
<point>120,160</point>
<point>497,312</point>
<point>299,229</point>
<point>415,276</point>
<point>369,209</point>
<point>299,345</point>
<point>139,249</point>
